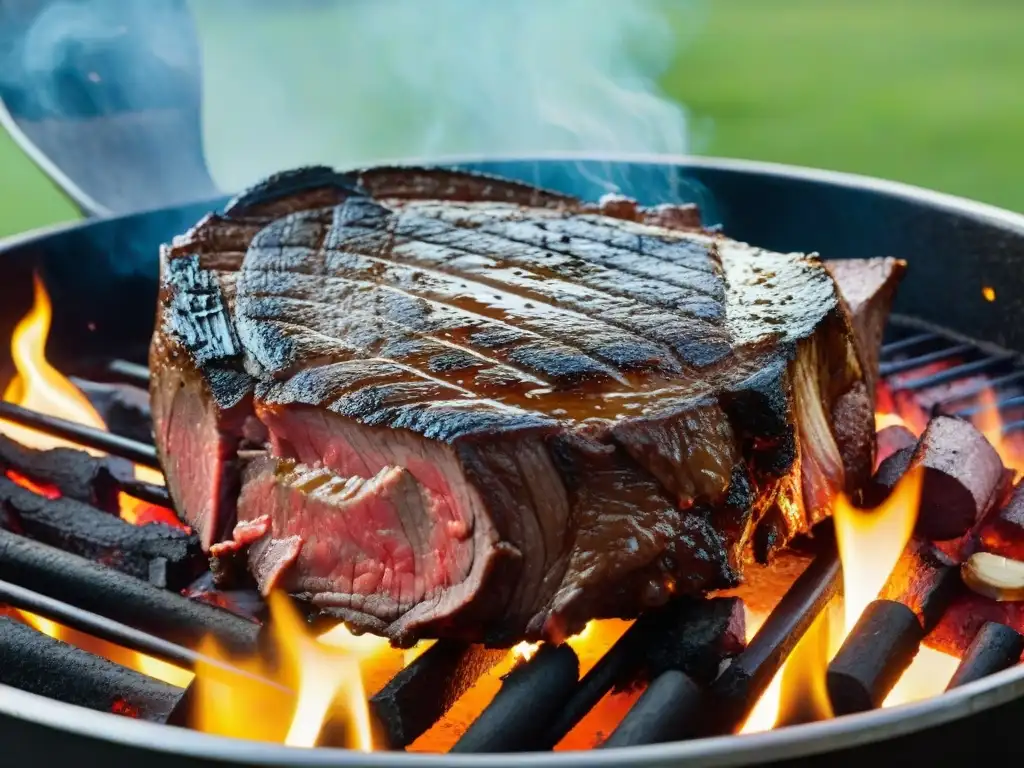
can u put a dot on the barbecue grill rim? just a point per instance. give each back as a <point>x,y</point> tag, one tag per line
<point>721,752</point>
<point>796,741</point>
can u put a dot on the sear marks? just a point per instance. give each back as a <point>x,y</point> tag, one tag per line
<point>439,404</point>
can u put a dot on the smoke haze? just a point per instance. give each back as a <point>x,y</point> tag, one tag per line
<point>353,82</point>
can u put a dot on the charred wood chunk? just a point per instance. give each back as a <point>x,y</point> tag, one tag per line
<point>530,695</point>
<point>124,408</point>
<point>963,477</point>
<point>420,694</point>
<point>75,474</point>
<point>99,589</point>
<point>890,440</point>
<point>165,556</point>
<point>692,637</point>
<point>1002,532</point>
<point>39,664</point>
<point>873,657</point>
<point>667,711</point>
<point>925,580</point>
<point>996,647</point>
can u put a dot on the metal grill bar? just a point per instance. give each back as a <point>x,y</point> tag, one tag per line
<point>911,363</point>
<point>128,373</point>
<point>996,384</point>
<point>1010,402</point>
<point>907,343</point>
<point>89,437</point>
<point>950,374</point>
<point>133,639</point>
<point>738,688</point>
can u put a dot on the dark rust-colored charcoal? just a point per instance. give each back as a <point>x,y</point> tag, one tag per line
<point>996,647</point>
<point>963,477</point>
<point>420,694</point>
<point>78,475</point>
<point>537,431</point>
<point>107,592</point>
<point>874,655</point>
<point>39,664</point>
<point>692,636</point>
<point>1002,532</point>
<point>737,689</point>
<point>888,474</point>
<point>165,556</point>
<point>93,480</point>
<point>667,711</point>
<point>124,408</point>
<point>891,439</point>
<point>89,437</point>
<point>530,696</point>
<point>925,580</point>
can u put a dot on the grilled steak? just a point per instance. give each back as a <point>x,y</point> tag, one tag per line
<point>443,404</point>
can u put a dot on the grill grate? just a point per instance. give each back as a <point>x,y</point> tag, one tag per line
<point>941,374</point>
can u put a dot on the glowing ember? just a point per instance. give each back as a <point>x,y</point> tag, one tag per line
<point>989,293</point>
<point>988,421</point>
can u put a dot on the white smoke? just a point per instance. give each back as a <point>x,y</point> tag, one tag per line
<point>357,81</point>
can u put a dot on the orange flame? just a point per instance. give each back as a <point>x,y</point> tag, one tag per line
<point>326,674</point>
<point>41,387</point>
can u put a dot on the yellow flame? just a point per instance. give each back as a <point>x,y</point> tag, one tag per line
<point>39,386</point>
<point>871,541</point>
<point>325,674</point>
<point>883,420</point>
<point>525,650</point>
<point>762,717</point>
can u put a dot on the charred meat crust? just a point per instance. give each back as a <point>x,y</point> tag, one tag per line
<point>594,414</point>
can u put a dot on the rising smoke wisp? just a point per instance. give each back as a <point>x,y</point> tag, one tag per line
<point>357,81</point>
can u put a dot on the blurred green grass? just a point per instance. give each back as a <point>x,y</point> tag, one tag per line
<point>929,92</point>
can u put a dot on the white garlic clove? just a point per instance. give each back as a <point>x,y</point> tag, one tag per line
<point>994,576</point>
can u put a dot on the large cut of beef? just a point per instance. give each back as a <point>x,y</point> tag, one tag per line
<point>441,404</point>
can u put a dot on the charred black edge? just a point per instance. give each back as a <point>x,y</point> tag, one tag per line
<point>40,664</point>
<point>500,190</point>
<point>164,556</point>
<point>281,185</point>
<point>78,475</point>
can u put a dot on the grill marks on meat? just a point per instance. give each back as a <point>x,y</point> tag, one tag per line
<point>488,411</point>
